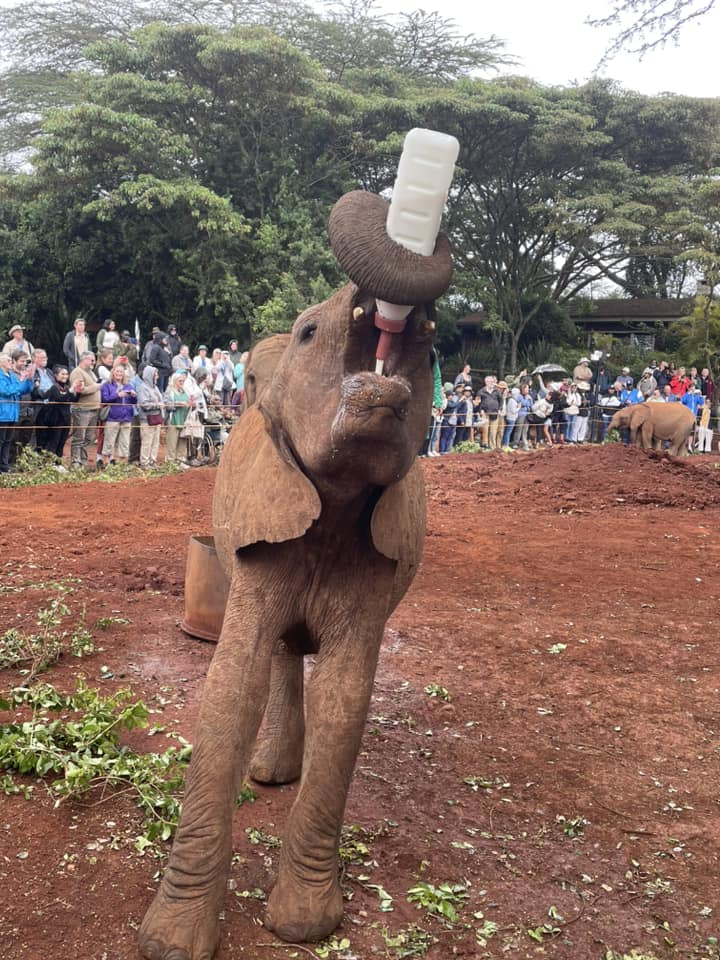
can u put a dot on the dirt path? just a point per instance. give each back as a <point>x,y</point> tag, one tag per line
<point>568,602</point>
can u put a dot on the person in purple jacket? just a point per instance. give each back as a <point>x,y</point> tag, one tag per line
<point>118,398</point>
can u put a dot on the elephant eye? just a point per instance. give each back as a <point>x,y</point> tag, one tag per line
<point>308,332</point>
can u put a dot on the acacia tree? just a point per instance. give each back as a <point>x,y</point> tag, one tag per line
<point>195,177</point>
<point>644,25</point>
<point>537,212</point>
<point>45,44</point>
<point>236,143</point>
<point>113,223</point>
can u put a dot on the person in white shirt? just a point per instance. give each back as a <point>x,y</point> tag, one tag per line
<point>201,360</point>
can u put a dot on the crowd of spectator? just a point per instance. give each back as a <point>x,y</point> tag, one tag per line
<point>112,396</point>
<point>121,399</point>
<point>526,412</point>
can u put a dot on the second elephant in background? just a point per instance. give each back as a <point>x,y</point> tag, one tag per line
<point>652,423</point>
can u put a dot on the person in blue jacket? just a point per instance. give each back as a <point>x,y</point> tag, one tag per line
<point>449,420</point>
<point>12,387</point>
<point>631,395</point>
<point>693,400</point>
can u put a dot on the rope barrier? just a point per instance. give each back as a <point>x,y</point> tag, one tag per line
<point>595,417</point>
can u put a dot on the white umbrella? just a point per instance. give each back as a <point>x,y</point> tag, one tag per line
<point>549,368</point>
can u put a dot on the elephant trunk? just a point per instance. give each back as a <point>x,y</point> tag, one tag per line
<point>375,263</point>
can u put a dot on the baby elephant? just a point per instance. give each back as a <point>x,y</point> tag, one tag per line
<point>319,520</point>
<point>651,423</point>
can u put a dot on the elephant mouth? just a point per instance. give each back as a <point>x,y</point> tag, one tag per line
<point>408,349</point>
<point>366,394</point>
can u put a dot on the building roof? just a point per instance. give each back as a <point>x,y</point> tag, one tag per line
<point>613,312</point>
<point>643,310</point>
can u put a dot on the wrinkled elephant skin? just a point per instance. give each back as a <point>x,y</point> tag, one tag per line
<point>319,519</point>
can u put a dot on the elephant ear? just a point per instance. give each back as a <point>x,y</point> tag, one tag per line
<point>260,492</point>
<point>397,525</point>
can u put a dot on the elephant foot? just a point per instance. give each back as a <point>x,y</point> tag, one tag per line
<point>304,913</point>
<point>180,929</point>
<point>275,762</point>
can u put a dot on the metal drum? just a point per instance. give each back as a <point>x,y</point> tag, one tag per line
<point>206,590</point>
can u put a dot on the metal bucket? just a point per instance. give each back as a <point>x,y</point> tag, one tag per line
<point>206,590</point>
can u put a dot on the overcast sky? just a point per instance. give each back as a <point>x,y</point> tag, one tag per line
<point>555,46</point>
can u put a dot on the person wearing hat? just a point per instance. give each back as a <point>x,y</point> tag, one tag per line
<point>572,412</point>
<point>17,341</point>
<point>583,372</point>
<point>202,360</point>
<point>464,413</point>
<point>647,383</point>
<point>625,379</point>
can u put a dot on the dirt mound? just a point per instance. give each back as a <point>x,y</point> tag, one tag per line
<point>579,479</point>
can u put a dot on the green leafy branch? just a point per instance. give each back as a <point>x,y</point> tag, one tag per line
<point>33,653</point>
<point>82,752</point>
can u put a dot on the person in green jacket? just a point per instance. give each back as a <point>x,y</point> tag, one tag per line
<point>179,403</point>
<point>430,447</point>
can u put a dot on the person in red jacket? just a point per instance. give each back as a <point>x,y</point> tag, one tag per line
<point>680,383</point>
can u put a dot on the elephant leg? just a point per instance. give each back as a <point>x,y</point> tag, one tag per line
<point>306,903</point>
<point>678,447</point>
<point>182,922</point>
<point>278,754</point>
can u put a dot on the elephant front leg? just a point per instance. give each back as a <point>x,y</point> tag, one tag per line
<point>182,922</point>
<point>306,903</point>
<point>278,755</point>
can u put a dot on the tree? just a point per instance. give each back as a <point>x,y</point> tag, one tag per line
<point>194,182</point>
<point>552,195</point>
<point>94,230</point>
<point>700,224</point>
<point>536,210</point>
<point>45,44</point>
<point>645,25</point>
<point>699,334</point>
<point>199,174</point>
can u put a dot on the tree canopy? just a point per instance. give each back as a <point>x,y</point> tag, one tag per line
<point>44,43</point>
<point>190,174</point>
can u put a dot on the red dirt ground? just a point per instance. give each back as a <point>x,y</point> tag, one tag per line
<point>609,551</point>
